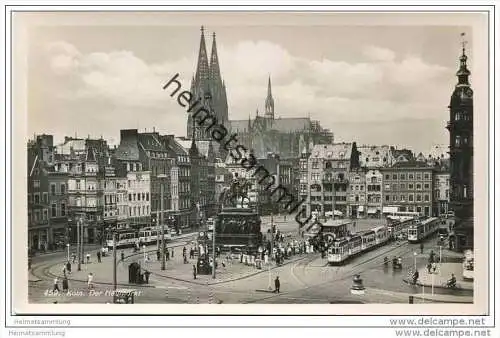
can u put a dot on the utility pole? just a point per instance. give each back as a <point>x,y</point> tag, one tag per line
<point>114,261</point>
<point>78,243</point>
<point>213,251</point>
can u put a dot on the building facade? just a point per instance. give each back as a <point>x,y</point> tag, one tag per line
<point>441,192</point>
<point>329,166</point>
<point>374,195</point>
<point>139,199</point>
<point>408,187</point>
<point>356,197</point>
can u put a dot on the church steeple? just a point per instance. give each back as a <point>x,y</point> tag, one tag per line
<point>269,101</point>
<point>214,64</point>
<point>202,69</point>
<point>463,72</point>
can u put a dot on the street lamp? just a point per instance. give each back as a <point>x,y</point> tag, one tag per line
<point>67,246</point>
<point>163,249</point>
<point>144,252</point>
<point>213,251</point>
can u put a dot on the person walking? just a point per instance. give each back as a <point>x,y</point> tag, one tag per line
<point>146,275</point>
<point>194,271</point>
<point>73,256</point>
<point>277,285</point>
<point>172,253</point>
<point>68,267</point>
<point>90,279</point>
<point>98,257</point>
<point>167,255</point>
<point>88,258</point>
<point>421,248</point>
<point>158,255</point>
<point>65,284</point>
<point>64,270</point>
<point>56,285</point>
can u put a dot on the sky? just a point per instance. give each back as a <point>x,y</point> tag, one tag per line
<point>369,84</point>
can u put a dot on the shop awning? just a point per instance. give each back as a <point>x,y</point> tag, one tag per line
<point>372,211</point>
<point>361,208</point>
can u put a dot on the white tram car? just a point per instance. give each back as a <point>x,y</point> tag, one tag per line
<point>423,229</point>
<point>345,248</point>
<point>151,235</point>
<point>124,238</point>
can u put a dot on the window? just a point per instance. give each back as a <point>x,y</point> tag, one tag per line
<point>130,197</point>
<point>53,210</point>
<point>63,209</point>
<point>457,116</point>
<point>410,198</point>
<point>394,187</point>
<point>362,187</point>
<point>426,186</point>
<point>426,197</point>
<point>52,189</point>
<point>419,209</point>
<point>458,140</point>
<point>45,214</point>
<point>427,176</point>
<point>402,177</point>
<point>410,186</point>
<point>63,188</point>
<point>37,198</point>
<point>402,186</point>
<point>36,184</point>
<point>394,176</point>
<point>387,177</point>
<point>147,196</point>
<point>387,187</point>
<point>394,198</point>
<point>315,164</point>
<point>419,176</point>
<point>410,176</point>
<point>138,197</point>
<point>419,198</point>
<point>419,186</point>
<point>45,197</point>
<point>402,198</point>
<point>447,193</point>
<point>77,184</point>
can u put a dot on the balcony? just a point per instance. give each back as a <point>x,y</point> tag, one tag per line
<point>335,180</point>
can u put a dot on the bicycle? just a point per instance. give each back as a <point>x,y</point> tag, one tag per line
<point>447,285</point>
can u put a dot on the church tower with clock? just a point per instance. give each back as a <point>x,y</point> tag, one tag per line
<point>460,127</point>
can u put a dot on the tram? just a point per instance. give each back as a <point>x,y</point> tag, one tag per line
<point>398,226</point>
<point>124,238</point>
<point>423,229</point>
<point>342,249</point>
<point>152,234</point>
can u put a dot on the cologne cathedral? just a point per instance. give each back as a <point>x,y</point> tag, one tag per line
<point>264,134</point>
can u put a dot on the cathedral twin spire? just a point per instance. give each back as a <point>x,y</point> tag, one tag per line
<point>208,86</point>
<point>207,76</point>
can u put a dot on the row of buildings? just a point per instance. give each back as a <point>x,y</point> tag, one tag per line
<point>147,179</point>
<point>348,181</point>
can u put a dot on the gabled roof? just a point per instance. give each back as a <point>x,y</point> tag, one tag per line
<point>337,151</point>
<point>150,141</point>
<point>90,156</point>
